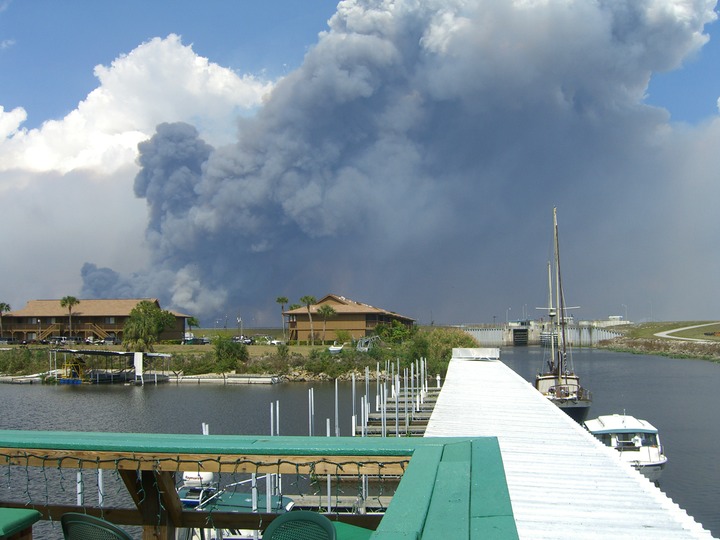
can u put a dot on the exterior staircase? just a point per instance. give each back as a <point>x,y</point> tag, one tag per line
<point>97,330</point>
<point>50,330</point>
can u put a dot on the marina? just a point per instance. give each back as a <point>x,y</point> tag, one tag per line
<point>688,481</point>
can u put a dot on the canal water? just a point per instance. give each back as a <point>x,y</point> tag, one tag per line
<point>680,397</point>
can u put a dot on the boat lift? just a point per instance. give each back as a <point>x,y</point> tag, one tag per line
<point>75,371</point>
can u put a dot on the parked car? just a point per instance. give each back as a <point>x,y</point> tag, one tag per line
<point>196,341</point>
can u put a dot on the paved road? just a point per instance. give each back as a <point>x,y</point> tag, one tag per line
<point>667,333</point>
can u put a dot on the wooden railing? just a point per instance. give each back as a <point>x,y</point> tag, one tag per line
<point>446,482</point>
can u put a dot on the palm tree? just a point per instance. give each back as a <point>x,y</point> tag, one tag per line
<point>282,300</point>
<point>326,311</point>
<point>307,302</point>
<point>191,321</point>
<point>4,308</point>
<point>69,302</point>
<point>144,325</point>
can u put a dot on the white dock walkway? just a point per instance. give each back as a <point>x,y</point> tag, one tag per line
<point>563,483</point>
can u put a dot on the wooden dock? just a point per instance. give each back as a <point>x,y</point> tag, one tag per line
<point>403,417</point>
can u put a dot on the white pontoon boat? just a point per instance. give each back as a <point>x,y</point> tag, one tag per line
<point>636,440</point>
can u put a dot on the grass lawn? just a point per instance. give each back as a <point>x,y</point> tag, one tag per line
<point>254,350</point>
<point>648,330</point>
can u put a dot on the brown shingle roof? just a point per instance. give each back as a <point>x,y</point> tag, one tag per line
<point>87,308</point>
<point>345,305</point>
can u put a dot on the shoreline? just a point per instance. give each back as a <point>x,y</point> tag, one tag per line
<point>673,348</point>
<point>210,378</point>
<point>657,346</point>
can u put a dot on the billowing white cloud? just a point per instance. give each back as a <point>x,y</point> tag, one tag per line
<point>161,80</point>
<point>67,185</point>
<point>10,121</point>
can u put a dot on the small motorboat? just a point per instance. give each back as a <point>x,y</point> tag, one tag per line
<point>637,442</point>
<point>200,491</point>
<point>197,489</point>
<point>335,348</point>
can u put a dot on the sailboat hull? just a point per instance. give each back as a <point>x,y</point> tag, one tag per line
<point>567,393</point>
<point>576,409</point>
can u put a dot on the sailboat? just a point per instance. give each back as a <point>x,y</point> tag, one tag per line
<point>559,382</point>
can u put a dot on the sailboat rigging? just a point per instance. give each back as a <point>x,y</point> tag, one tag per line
<point>558,382</point>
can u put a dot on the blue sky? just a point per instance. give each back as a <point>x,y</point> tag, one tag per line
<point>691,92</point>
<point>52,47</point>
<point>217,155</point>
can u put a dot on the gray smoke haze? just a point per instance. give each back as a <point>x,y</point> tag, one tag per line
<point>413,160</point>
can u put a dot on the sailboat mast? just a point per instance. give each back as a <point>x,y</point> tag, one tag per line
<point>562,319</point>
<point>551,314</point>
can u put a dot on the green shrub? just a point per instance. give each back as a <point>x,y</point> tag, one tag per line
<point>229,354</point>
<point>193,364</point>
<point>23,361</point>
<point>343,336</point>
<point>440,343</point>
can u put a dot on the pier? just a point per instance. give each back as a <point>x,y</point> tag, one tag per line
<point>563,483</point>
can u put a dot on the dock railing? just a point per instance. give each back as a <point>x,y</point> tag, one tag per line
<point>447,485</point>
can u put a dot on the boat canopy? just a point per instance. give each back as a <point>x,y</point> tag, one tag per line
<point>619,423</point>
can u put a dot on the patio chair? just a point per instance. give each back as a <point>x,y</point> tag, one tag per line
<point>85,527</point>
<point>300,525</point>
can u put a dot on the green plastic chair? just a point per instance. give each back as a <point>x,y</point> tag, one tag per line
<point>300,525</point>
<point>84,527</point>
